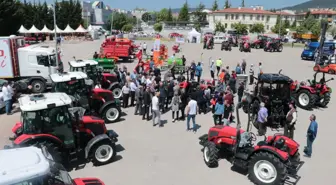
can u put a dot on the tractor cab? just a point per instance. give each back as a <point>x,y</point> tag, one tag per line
<point>36,167</point>
<point>95,72</point>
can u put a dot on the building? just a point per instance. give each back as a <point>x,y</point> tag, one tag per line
<point>247,16</point>
<point>96,13</point>
<point>319,14</point>
<point>287,15</point>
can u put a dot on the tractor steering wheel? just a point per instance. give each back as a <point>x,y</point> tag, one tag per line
<point>253,137</point>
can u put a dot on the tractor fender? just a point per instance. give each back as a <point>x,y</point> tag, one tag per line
<point>95,140</point>
<point>106,104</point>
<point>310,89</point>
<point>272,150</point>
<point>113,84</point>
<point>25,139</point>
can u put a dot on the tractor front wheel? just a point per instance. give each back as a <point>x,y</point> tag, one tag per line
<point>265,168</point>
<point>210,154</point>
<point>325,100</point>
<point>111,114</point>
<point>116,91</point>
<point>103,153</point>
<point>305,99</point>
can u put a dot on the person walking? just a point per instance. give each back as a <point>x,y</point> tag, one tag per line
<point>163,96</point>
<point>156,109</point>
<point>126,92</point>
<point>238,69</point>
<point>133,88</point>
<point>139,100</point>
<point>311,135</point>
<point>260,70</point>
<point>219,64</point>
<point>227,112</point>
<point>191,112</point>
<point>241,89</point>
<point>291,118</point>
<point>175,106</point>
<point>184,60</point>
<point>199,71</point>
<point>243,66</point>
<point>219,112</point>
<point>192,71</point>
<point>262,119</point>
<point>170,91</point>
<point>251,74</point>
<point>212,69</point>
<point>183,105</point>
<point>7,97</point>
<point>147,99</point>
<point>232,84</point>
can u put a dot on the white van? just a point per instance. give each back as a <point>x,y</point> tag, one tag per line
<point>219,39</point>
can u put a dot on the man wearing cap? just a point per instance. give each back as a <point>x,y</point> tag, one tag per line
<point>251,74</point>
<point>212,69</point>
<point>262,119</point>
<point>219,64</point>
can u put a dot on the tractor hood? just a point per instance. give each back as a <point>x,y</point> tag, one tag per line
<point>88,181</point>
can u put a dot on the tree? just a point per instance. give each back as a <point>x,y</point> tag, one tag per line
<point>240,28</point>
<point>286,24</point>
<point>170,15</point>
<point>227,4</point>
<point>10,16</point>
<point>184,12</point>
<point>307,14</point>
<point>243,3</point>
<point>257,28</point>
<point>157,27</point>
<point>219,27</point>
<point>293,24</point>
<point>280,26</point>
<point>301,29</point>
<point>146,17</point>
<point>332,30</point>
<point>162,15</point>
<point>199,15</point>
<point>127,27</point>
<point>215,6</point>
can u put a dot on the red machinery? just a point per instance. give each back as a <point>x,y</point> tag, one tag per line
<point>176,48</point>
<point>121,48</point>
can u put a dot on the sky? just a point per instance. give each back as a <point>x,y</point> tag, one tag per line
<point>159,4</point>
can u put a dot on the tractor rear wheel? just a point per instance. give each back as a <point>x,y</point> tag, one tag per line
<point>210,154</point>
<point>111,114</point>
<point>325,100</point>
<point>103,152</point>
<point>305,99</point>
<point>265,168</point>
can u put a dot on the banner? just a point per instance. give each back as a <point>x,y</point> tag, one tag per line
<point>6,67</point>
<point>156,46</point>
<point>179,40</point>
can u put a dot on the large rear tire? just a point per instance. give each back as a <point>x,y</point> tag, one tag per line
<point>265,168</point>
<point>210,154</point>
<point>111,114</point>
<point>305,99</point>
<point>116,91</point>
<point>38,86</point>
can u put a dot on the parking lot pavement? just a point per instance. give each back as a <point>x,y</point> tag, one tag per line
<point>172,156</point>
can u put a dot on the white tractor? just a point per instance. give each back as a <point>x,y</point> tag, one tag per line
<point>33,166</point>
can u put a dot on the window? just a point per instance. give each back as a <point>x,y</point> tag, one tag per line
<point>226,16</point>
<point>268,18</point>
<point>42,59</point>
<point>251,17</point>
<point>267,27</point>
<point>258,17</point>
<point>226,25</point>
<point>243,16</point>
<point>237,16</point>
<point>232,16</point>
<point>262,17</point>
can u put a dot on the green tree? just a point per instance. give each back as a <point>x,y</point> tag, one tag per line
<point>301,29</point>
<point>240,28</point>
<point>257,28</point>
<point>280,26</point>
<point>294,24</point>
<point>170,15</point>
<point>199,15</point>
<point>215,6</point>
<point>10,16</point>
<point>162,15</point>
<point>227,4</point>
<point>332,30</point>
<point>146,17</point>
<point>243,3</point>
<point>219,27</point>
<point>119,20</point>
<point>127,27</point>
<point>307,14</point>
<point>184,12</point>
<point>157,27</point>
<point>286,24</point>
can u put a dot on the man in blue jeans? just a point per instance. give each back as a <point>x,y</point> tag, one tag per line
<point>311,135</point>
<point>7,97</point>
<point>191,114</point>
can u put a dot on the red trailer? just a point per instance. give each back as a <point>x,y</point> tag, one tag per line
<point>122,48</point>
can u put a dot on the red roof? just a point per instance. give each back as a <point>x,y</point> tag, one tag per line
<point>285,13</point>
<point>319,12</point>
<point>245,10</point>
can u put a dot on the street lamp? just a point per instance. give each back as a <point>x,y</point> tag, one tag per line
<point>55,25</point>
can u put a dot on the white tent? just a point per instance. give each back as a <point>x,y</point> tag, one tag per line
<point>90,28</point>
<point>194,36</point>
<point>68,29</point>
<point>23,29</point>
<point>45,30</point>
<point>58,30</point>
<point>33,29</point>
<point>80,29</point>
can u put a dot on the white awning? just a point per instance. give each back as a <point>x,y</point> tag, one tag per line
<point>68,29</point>
<point>45,30</point>
<point>33,29</point>
<point>80,29</point>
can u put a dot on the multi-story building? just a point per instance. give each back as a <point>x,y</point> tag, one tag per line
<point>319,14</point>
<point>97,13</point>
<point>247,16</point>
<point>287,15</point>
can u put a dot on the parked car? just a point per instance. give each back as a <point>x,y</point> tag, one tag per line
<point>219,39</point>
<point>309,51</point>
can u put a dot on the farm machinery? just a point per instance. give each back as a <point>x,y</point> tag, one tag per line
<point>244,46</point>
<point>260,42</point>
<point>208,41</point>
<point>38,162</point>
<point>107,80</point>
<point>275,160</point>
<point>122,48</point>
<point>273,44</point>
<point>95,101</point>
<point>49,120</point>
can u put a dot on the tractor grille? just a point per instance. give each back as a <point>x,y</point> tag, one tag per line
<point>213,134</point>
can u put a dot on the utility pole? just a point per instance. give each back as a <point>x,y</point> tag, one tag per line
<point>87,18</point>
<point>280,23</point>
<point>111,21</point>
<point>55,26</point>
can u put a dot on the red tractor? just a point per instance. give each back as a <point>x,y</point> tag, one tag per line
<point>272,161</point>
<point>260,42</point>
<point>245,46</point>
<point>49,120</point>
<point>208,41</point>
<point>176,48</point>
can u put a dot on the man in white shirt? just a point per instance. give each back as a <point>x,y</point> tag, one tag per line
<point>7,97</point>
<point>144,47</point>
<point>133,88</point>
<point>191,114</point>
<point>156,109</point>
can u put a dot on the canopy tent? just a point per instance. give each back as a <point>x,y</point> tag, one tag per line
<point>58,30</point>
<point>68,29</point>
<point>80,29</point>
<point>194,36</point>
<point>22,29</point>
<point>90,28</point>
<point>45,30</point>
<point>33,29</point>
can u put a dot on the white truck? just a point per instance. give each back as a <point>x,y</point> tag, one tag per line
<point>27,65</point>
<point>33,166</point>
